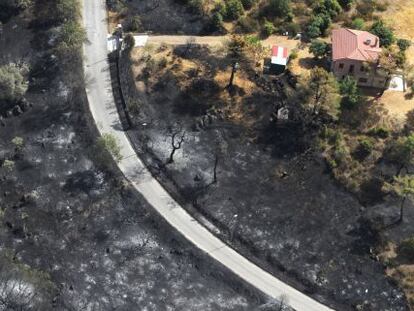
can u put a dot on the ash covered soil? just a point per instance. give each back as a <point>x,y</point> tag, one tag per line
<point>274,199</point>
<point>163,16</point>
<point>99,243</point>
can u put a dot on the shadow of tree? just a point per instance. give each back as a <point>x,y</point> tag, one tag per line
<point>310,63</point>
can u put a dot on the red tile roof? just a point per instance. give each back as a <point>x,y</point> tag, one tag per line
<point>279,55</point>
<point>276,50</point>
<point>355,45</point>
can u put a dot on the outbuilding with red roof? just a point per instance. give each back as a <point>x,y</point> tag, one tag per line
<point>279,59</point>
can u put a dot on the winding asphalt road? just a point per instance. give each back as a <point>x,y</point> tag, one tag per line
<point>104,112</point>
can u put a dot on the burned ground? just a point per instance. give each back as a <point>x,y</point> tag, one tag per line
<point>274,199</point>
<point>80,224</point>
<point>160,16</point>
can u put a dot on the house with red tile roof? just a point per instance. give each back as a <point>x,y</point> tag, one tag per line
<point>356,53</point>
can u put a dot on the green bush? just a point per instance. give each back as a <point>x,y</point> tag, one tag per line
<point>108,144</point>
<point>358,23</point>
<point>319,48</point>
<point>8,165</point>
<point>278,8</point>
<point>349,90</point>
<point>220,8</point>
<point>318,25</point>
<point>234,9</point>
<point>328,7</point>
<point>313,31</point>
<point>71,38</point>
<point>341,153</point>
<point>268,28</point>
<point>292,28</point>
<point>365,147</point>
<point>18,142</point>
<point>134,106</point>
<point>384,32</point>
<point>12,83</point>
<point>403,44</point>
<point>380,132</point>
<point>294,54</point>
<point>217,21</point>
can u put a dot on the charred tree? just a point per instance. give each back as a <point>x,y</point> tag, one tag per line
<point>216,160</point>
<point>177,139</point>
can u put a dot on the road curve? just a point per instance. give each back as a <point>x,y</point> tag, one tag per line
<point>104,112</point>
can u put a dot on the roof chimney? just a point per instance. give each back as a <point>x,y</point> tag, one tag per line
<point>367,42</point>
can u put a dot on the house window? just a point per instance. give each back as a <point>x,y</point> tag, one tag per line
<point>351,69</point>
<point>363,80</point>
<point>362,68</point>
<point>341,66</point>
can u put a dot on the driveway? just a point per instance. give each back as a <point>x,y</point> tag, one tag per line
<point>209,40</point>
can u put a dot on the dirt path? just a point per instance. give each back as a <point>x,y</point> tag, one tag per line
<point>217,40</point>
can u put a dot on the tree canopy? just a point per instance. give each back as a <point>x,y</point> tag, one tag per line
<point>279,8</point>
<point>384,32</point>
<point>12,83</point>
<point>402,151</point>
<point>319,95</point>
<point>233,9</point>
<point>349,89</point>
<point>402,187</point>
<point>319,48</point>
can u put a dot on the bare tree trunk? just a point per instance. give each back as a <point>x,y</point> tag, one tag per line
<point>400,220</point>
<point>175,145</point>
<point>400,169</point>
<point>233,71</point>
<point>215,169</point>
<point>171,158</point>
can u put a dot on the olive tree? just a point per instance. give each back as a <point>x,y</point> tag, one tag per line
<point>401,152</point>
<point>236,49</point>
<point>402,187</point>
<point>320,94</point>
<point>319,48</point>
<point>385,33</point>
<point>13,85</point>
<point>348,88</point>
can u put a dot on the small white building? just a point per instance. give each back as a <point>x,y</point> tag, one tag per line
<point>279,59</point>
